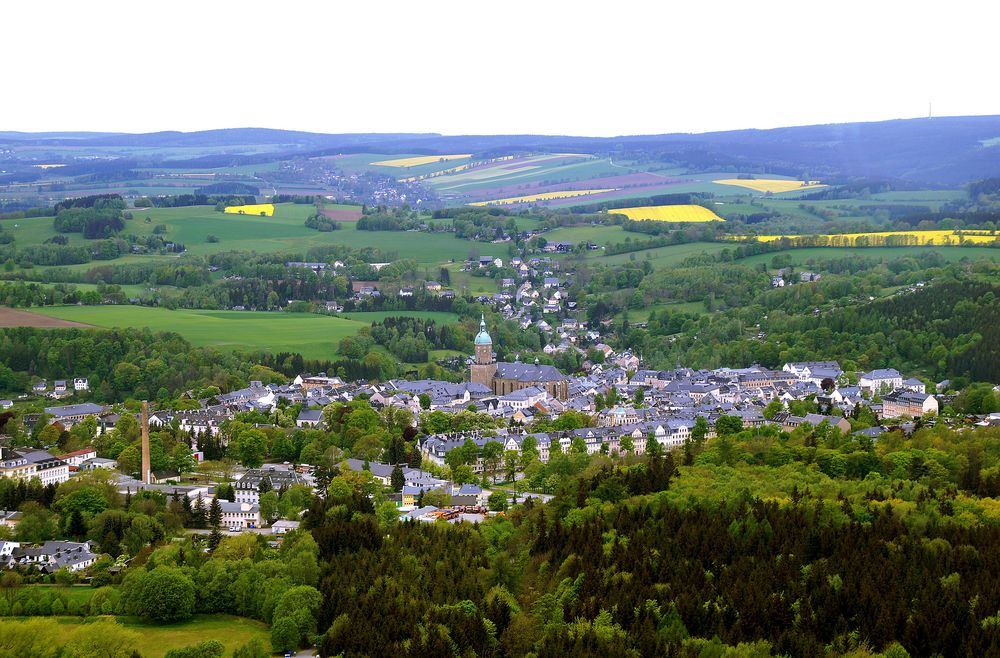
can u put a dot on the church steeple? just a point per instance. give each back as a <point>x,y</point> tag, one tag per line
<point>483,337</point>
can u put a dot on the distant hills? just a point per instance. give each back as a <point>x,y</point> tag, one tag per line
<point>947,151</point>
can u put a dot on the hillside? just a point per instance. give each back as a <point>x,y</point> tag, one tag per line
<point>946,151</point>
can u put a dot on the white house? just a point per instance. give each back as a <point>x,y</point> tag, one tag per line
<point>881,379</point>
<point>81,384</point>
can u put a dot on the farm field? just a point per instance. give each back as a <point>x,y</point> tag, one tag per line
<point>677,213</point>
<point>259,209</point>
<point>908,238</point>
<point>417,160</point>
<point>597,234</point>
<point>805,254</point>
<point>283,232</point>
<point>12,317</point>
<point>544,196</point>
<point>773,185</point>
<point>313,336</point>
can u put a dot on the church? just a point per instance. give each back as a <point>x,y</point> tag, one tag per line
<point>505,378</point>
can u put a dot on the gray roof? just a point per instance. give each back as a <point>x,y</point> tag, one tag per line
<point>525,372</point>
<point>74,410</point>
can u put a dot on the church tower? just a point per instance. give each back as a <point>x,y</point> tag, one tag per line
<point>485,368</point>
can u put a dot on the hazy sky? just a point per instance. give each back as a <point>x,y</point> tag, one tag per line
<point>602,68</point>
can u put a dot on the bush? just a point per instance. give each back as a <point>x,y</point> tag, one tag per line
<point>205,649</point>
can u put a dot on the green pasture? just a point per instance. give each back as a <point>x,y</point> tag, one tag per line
<point>314,336</point>
<point>668,256</point>
<point>284,232</point>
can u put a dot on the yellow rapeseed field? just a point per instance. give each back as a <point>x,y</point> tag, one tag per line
<point>885,238</point>
<point>545,196</point>
<point>255,209</point>
<point>774,186</point>
<point>416,161</point>
<point>679,213</point>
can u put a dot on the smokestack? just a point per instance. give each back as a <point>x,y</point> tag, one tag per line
<point>146,475</point>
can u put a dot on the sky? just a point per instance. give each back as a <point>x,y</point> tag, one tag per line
<point>485,67</point>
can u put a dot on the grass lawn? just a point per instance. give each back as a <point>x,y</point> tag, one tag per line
<point>158,639</point>
<point>79,593</point>
<point>313,336</point>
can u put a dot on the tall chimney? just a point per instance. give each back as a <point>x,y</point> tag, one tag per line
<point>146,475</point>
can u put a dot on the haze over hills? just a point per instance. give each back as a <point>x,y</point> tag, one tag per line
<point>946,151</point>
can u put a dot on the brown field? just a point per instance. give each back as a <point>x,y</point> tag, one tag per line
<point>12,317</point>
<point>342,215</point>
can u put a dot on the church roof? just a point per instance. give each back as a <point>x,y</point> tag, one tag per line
<point>526,372</point>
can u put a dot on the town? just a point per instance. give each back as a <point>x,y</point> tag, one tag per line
<point>619,409</point>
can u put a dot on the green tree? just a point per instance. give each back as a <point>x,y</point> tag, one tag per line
<point>165,594</point>
<point>726,425</point>
<point>215,513</point>
<point>773,408</point>
<point>498,501</point>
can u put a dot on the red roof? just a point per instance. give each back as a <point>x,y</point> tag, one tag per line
<point>77,453</point>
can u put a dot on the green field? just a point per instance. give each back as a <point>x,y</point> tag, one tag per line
<point>284,232</point>
<point>663,256</point>
<point>313,336</point>
<point>800,256</point>
<point>158,639</point>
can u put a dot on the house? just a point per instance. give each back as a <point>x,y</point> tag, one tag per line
<point>60,386</point>
<point>77,457</point>
<point>240,515</point>
<point>915,385</point>
<point>882,379</point>
<point>6,404</point>
<point>433,286</point>
<point>55,555</point>
<point>81,384</point>
<point>406,292</point>
<point>309,418</point>
<point>9,518</point>
<point>908,403</point>
<point>247,488</point>
<point>777,282</point>
<point>283,526</point>
<point>40,387</point>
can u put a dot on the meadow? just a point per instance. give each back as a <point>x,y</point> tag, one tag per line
<point>313,336</point>
<point>158,639</point>
<point>675,213</point>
